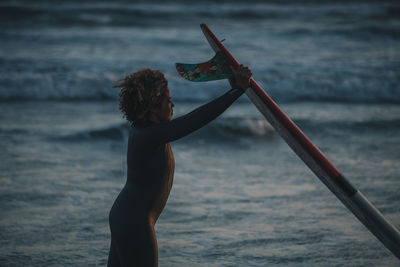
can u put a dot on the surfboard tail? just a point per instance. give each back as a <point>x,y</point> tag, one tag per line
<point>329,175</point>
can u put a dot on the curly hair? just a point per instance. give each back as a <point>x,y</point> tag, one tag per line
<point>139,93</point>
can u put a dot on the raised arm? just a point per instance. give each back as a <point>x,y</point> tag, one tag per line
<point>168,131</point>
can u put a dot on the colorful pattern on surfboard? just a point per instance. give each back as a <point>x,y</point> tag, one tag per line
<point>214,69</point>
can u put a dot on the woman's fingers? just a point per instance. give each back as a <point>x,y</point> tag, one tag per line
<point>242,72</point>
<point>233,69</point>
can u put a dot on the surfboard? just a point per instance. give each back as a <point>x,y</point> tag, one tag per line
<point>346,192</point>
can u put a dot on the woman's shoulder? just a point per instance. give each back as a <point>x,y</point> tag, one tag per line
<point>138,133</point>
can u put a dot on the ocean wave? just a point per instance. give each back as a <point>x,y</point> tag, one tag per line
<point>114,132</point>
<point>236,127</point>
<point>283,95</point>
<point>354,32</point>
<point>358,84</point>
<point>124,14</point>
<point>223,128</point>
<point>366,32</point>
<point>283,86</point>
<point>232,129</point>
<point>120,13</point>
<point>347,125</point>
<point>29,79</point>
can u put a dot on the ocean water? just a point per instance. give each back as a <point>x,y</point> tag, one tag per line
<point>241,197</point>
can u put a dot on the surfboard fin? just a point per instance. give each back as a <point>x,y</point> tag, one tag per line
<point>214,69</point>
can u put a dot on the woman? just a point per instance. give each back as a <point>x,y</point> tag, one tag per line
<point>146,103</point>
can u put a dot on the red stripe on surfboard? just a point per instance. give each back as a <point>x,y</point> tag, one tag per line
<point>296,132</point>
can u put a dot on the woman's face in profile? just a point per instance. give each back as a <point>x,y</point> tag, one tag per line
<point>165,110</point>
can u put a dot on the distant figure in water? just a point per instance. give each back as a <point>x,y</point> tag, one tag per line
<point>146,103</point>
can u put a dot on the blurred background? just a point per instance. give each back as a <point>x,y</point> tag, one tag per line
<point>241,197</point>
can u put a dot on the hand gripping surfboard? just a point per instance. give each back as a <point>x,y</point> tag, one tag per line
<point>346,192</point>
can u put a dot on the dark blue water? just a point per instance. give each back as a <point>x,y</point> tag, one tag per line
<point>240,197</point>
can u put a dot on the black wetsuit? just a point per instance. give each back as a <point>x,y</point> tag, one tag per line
<point>149,180</point>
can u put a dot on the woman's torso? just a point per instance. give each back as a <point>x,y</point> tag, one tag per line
<point>149,181</point>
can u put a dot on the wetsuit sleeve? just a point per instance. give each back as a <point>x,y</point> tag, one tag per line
<point>165,132</point>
